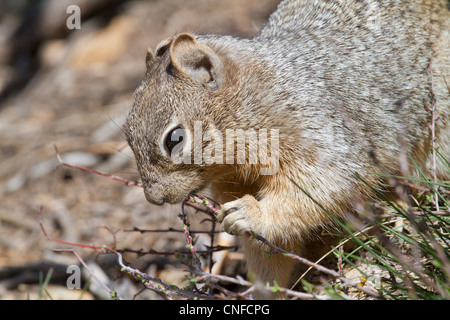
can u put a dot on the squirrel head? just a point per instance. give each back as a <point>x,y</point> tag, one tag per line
<point>183,79</point>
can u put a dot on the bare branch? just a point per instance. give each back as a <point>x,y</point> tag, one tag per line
<point>126,181</point>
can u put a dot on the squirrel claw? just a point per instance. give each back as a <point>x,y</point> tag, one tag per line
<point>235,216</point>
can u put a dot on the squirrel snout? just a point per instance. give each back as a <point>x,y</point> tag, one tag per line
<point>154,195</point>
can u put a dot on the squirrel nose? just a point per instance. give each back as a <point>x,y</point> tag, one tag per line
<point>153,196</point>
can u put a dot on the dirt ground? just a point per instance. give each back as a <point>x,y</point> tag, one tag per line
<point>73,89</point>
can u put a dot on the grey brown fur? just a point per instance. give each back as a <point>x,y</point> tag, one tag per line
<point>348,85</point>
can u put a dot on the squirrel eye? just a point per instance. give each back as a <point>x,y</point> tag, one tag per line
<point>174,138</point>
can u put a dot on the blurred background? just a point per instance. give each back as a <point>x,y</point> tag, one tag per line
<point>73,89</point>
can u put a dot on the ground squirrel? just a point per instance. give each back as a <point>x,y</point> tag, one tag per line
<point>341,88</point>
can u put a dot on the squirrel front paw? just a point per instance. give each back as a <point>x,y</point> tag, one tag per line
<point>238,216</point>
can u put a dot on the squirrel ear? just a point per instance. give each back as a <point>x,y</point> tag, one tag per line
<point>162,47</point>
<point>196,60</point>
<point>150,58</point>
